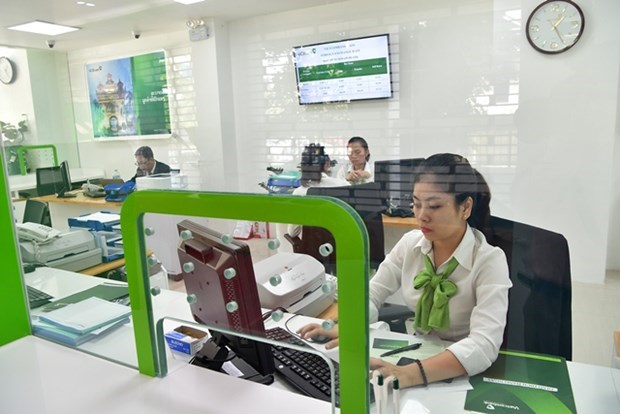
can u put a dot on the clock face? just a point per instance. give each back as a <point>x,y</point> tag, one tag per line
<point>6,70</point>
<point>555,26</point>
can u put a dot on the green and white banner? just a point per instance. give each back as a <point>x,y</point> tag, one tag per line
<point>129,97</point>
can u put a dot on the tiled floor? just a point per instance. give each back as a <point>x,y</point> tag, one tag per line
<point>596,314</point>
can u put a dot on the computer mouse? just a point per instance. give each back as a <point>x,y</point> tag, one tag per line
<point>319,339</point>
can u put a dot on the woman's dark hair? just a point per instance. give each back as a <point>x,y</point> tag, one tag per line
<point>362,142</point>
<point>456,176</point>
<point>145,151</point>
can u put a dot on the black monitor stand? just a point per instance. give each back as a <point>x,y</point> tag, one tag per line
<point>63,194</point>
<point>214,354</point>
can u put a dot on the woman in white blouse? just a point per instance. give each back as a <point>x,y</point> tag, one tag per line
<point>454,280</point>
<point>358,170</point>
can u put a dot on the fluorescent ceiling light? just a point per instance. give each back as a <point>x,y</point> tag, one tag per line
<point>188,1</point>
<point>45,28</point>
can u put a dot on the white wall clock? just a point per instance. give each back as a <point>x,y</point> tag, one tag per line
<point>7,71</point>
<point>555,26</point>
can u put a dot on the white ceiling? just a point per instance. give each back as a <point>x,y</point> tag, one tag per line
<point>111,21</point>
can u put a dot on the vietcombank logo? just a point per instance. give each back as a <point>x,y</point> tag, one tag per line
<point>492,404</point>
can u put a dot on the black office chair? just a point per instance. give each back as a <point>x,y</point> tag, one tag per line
<point>539,308</point>
<point>37,212</point>
<point>539,316</point>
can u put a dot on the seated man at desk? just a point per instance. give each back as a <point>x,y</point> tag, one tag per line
<point>456,282</point>
<point>147,164</point>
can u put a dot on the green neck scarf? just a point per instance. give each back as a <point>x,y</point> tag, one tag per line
<point>432,310</point>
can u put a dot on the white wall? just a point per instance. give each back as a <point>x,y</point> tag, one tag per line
<point>541,128</point>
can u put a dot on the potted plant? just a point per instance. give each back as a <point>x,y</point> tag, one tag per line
<point>14,134</point>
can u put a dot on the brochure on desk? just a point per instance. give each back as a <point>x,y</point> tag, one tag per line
<point>524,383</point>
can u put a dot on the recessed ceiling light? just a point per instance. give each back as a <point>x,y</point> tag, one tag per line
<point>39,27</point>
<point>84,3</point>
<point>188,1</point>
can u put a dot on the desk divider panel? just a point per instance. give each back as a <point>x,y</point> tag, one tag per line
<point>334,215</point>
<point>14,316</point>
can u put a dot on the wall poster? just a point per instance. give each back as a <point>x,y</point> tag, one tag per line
<point>129,97</point>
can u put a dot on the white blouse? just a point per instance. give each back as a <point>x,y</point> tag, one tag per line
<point>348,167</point>
<point>477,311</point>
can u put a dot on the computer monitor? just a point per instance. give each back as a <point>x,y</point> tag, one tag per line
<point>395,178</point>
<point>49,180</point>
<point>66,181</point>
<point>366,200</point>
<point>220,276</point>
<point>54,180</point>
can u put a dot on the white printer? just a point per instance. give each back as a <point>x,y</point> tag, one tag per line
<point>295,282</point>
<point>72,250</point>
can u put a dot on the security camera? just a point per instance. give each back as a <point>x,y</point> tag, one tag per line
<point>136,34</point>
<point>50,43</point>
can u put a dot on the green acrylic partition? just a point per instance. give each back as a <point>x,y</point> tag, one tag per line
<point>334,215</point>
<point>14,317</point>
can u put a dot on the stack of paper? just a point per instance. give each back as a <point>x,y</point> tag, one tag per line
<point>79,322</point>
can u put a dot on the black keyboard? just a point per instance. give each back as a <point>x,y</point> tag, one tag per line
<point>37,297</point>
<point>307,372</point>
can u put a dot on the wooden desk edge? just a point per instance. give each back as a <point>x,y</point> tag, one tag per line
<point>106,267</point>
<point>400,222</point>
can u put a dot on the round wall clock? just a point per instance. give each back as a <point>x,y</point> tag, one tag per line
<point>7,72</point>
<point>555,26</point>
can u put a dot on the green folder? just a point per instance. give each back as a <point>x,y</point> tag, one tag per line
<point>524,383</point>
<point>111,292</point>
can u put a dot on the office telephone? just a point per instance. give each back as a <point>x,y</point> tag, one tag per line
<point>93,190</point>
<point>36,232</point>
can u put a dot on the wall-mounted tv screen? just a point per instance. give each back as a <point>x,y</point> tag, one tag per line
<point>344,70</point>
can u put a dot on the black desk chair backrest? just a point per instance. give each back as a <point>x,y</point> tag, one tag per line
<point>539,308</point>
<point>37,212</point>
<point>366,200</point>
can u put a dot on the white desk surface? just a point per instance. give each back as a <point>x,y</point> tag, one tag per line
<point>23,182</point>
<point>34,377</point>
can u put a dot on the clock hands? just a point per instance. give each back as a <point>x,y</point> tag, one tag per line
<point>554,27</point>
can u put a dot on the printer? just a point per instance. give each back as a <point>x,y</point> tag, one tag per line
<point>294,282</point>
<point>72,250</point>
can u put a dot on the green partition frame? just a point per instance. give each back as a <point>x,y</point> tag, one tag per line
<point>14,314</point>
<point>21,155</point>
<point>334,215</point>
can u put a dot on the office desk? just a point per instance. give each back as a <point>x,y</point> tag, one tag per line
<point>106,267</point>
<point>35,378</point>
<point>61,209</point>
<point>407,223</point>
<point>25,182</point>
<point>395,227</point>
<point>119,345</point>
<point>81,200</point>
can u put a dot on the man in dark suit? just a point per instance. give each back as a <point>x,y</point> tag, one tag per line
<point>147,164</point>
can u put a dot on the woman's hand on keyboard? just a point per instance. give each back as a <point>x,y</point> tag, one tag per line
<point>314,330</point>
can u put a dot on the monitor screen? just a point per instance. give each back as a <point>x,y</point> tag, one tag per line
<point>344,70</point>
<point>395,178</point>
<point>49,180</point>
<point>221,278</point>
<point>65,177</point>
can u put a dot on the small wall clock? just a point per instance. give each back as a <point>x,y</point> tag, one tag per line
<point>7,71</point>
<point>555,26</point>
